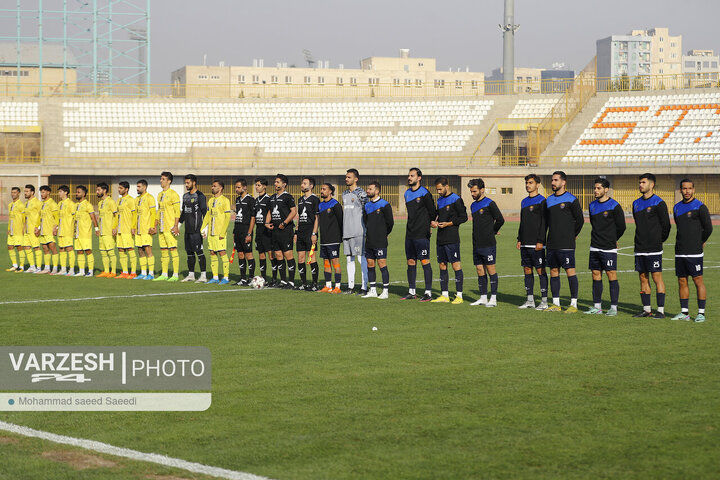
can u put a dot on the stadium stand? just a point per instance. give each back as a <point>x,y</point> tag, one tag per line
<point>535,108</point>
<point>18,114</point>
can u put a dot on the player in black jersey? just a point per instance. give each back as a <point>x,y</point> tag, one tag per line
<point>307,233</point>
<point>263,235</point>
<point>652,228</point>
<point>330,224</point>
<point>487,221</point>
<point>280,219</point>
<point>608,225</point>
<point>421,211</point>
<point>451,214</point>
<point>693,228</point>
<point>378,221</point>
<point>194,207</point>
<point>243,231</point>
<point>531,242</point>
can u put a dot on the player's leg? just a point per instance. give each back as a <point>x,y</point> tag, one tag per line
<point>80,258</point>
<point>423,249</point>
<point>644,293</point>
<point>384,274</point>
<point>104,258</point>
<point>62,260</point>
<point>350,266</point>
<point>327,271</point>
<point>363,267</point>
<point>30,257</point>
<point>47,258</point>
<point>302,271</point>
<point>372,291</point>
<point>459,280</point>
<point>90,262</point>
<point>529,279</point>
<point>250,262</point>
<point>132,260</point>
<point>214,267</point>
<point>71,260</point>
<point>338,273</point>
<point>684,293</point>
<point>242,266</point>
<point>164,260</point>
<point>54,257</point>
<point>614,285</point>
<point>597,289</point>
<point>660,293</point>
<point>482,281</point>
<point>444,277</point>
<point>314,271</point>
<point>12,253</point>
<point>280,262</point>
<point>262,261</point>
<point>568,264</point>
<point>175,260</point>
<point>493,276</point>
<point>142,255</point>
<point>150,260</point>
<point>225,259</point>
<point>701,297</point>
<point>411,258</point>
<point>289,258</point>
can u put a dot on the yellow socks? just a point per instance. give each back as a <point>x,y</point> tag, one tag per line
<point>71,259</point>
<point>55,257</point>
<point>123,261</point>
<point>113,261</point>
<point>105,260</point>
<point>46,259</point>
<point>81,261</point>
<point>13,257</point>
<point>226,265</point>
<point>214,265</point>
<point>21,253</point>
<point>175,261</point>
<point>30,258</point>
<point>38,257</point>
<point>133,261</point>
<point>143,265</point>
<point>63,258</point>
<point>91,262</point>
<point>164,261</point>
<point>151,265</point>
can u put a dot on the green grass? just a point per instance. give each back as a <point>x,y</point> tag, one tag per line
<point>303,389</point>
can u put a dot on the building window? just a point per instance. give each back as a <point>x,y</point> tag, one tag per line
<point>14,73</point>
<point>408,82</point>
<point>420,65</point>
<point>439,83</point>
<point>492,190</point>
<point>661,71</point>
<point>241,78</point>
<point>661,60</point>
<point>339,81</point>
<point>506,190</point>
<point>373,81</point>
<point>288,79</point>
<point>215,77</point>
<point>474,84</point>
<point>396,82</point>
<point>321,80</point>
<point>256,79</point>
<point>706,64</point>
<point>307,80</point>
<point>661,50</point>
<point>274,79</point>
<point>353,82</point>
<point>458,84</point>
<point>519,79</point>
<point>418,83</point>
<point>673,44</point>
<point>202,77</point>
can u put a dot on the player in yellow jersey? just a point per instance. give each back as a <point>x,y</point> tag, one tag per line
<point>107,213</point>
<point>85,219</point>
<point>144,230</point>
<point>217,220</point>
<point>16,231</point>
<point>168,217</point>
<point>65,230</point>
<point>49,215</point>
<point>31,240</point>
<point>127,218</point>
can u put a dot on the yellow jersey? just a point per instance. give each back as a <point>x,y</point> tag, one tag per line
<point>107,209</point>
<point>217,216</point>
<point>145,210</point>
<point>33,207</point>
<point>83,220</point>
<point>168,209</point>
<point>16,223</point>
<point>49,214</point>
<point>66,221</point>
<point>127,216</point>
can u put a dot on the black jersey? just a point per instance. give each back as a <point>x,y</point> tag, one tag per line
<point>307,211</point>
<point>262,207</point>
<point>421,211</point>
<point>652,224</point>
<point>487,221</point>
<point>379,222</point>
<point>694,226</point>
<point>244,211</point>
<point>194,207</point>
<point>450,209</point>
<point>280,206</point>
<point>608,225</point>
<point>564,220</point>
<point>532,221</point>
<point>330,222</point>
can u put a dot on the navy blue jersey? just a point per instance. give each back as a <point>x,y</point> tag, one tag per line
<point>532,221</point>
<point>378,219</point>
<point>564,219</point>
<point>652,224</point>
<point>450,209</point>
<point>487,220</point>
<point>693,226</point>
<point>421,211</point>
<point>330,222</point>
<point>608,224</point>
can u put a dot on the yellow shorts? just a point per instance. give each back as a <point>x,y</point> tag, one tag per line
<point>45,239</point>
<point>30,240</point>
<point>143,240</point>
<point>65,242</point>
<point>83,244</point>
<point>125,241</point>
<point>15,240</point>
<point>167,240</point>
<point>107,242</point>
<point>215,244</point>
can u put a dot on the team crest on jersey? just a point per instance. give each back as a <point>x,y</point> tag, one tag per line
<point>192,200</point>
<point>562,205</point>
<point>605,213</point>
<point>689,214</point>
<point>378,211</point>
<point>648,209</point>
<point>532,207</point>
<point>482,210</point>
<point>417,200</point>
<point>447,208</point>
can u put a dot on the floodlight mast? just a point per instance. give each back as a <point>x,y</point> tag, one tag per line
<point>508,28</point>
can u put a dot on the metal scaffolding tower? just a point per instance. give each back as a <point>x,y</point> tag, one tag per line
<point>105,42</point>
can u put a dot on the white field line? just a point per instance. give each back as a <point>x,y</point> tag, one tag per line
<point>158,459</point>
<point>106,297</point>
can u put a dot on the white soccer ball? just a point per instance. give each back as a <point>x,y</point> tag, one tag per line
<point>257,282</point>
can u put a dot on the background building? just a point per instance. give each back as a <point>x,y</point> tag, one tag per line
<point>665,51</point>
<point>22,73</point>
<point>701,67</point>
<point>623,55</point>
<point>527,80</point>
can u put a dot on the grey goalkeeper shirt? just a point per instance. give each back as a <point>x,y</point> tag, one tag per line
<point>353,205</point>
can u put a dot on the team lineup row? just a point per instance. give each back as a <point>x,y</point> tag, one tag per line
<point>56,234</point>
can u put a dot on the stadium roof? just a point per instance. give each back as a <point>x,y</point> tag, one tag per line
<point>52,55</point>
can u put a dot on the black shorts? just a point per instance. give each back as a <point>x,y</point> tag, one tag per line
<point>484,255</point>
<point>529,257</point>
<point>602,261</point>
<point>375,253</point>
<point>193,243</point>
<point>304,241</point>
<point>688,266</point>
<point>330,251</point>
<point>263,239</point>
<point>417,248</point>
<point>282,240</point>
<point>449,253</point>
<point>561,259</point>
<point>240,245</point>
<point>648,263</point>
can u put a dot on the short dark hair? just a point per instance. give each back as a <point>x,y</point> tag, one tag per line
<point>533,176</point>
<point>602,181</point>
<point>30,187</point>
<point>354,172</point>
<point>83,188</point>
<point>262,181</point>
<point>17,189</point>
<point>241,181</point>
<point>167,175</point>
<point>220,182</point>
<point>191,177</point>
<point>142,182</point>
<point>417,170</point>
<point>686,180</point>
<point>124,184</point>
<point>560,173</point>
<point>311,180</point>
<point>331,187</point>
<point>103,185</point>
<point>375,184</point>
<point>442,181</point>
<point>649,176</point>
<point>64,188</point>
<point>283,178</point>
<point>476,182</point>
<point>45,188</point>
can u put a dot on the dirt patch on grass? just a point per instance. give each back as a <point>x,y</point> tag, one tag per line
<point>6,440</point>
<point>78,460</point>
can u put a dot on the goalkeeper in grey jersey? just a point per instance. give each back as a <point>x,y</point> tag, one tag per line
<point>354,200</point>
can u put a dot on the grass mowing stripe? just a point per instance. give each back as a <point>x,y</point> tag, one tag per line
<point>100,447</point>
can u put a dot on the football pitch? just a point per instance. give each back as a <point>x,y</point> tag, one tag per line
<point>303,388</point>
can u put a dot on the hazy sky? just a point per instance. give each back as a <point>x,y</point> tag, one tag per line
<point>458,33</point>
